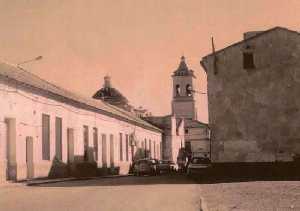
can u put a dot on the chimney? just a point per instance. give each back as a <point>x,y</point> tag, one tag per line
<point>107,83</point>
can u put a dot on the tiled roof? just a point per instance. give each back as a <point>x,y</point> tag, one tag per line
<point>188,123</point>
<point>183,69</point>
<point>250,38</point>
<point>23,77</point>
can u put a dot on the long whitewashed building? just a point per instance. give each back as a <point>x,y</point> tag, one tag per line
<point>44,128</point>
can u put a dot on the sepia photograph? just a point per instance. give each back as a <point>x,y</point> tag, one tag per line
<point>149,105</point>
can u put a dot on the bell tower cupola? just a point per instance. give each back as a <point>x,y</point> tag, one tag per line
<point>183,103</point>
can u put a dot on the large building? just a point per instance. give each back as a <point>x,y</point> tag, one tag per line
<point>46,130</point>
<point>254,98</point>
<point>195,136</point>
<point>184,106</point>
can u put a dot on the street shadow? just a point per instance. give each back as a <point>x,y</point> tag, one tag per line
<point>219,173</point>
<point>124,181</point>
<point>81,166</point>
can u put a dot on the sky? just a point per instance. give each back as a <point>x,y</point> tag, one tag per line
<point>137,42</point>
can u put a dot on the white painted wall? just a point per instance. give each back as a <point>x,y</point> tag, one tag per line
<point>27,108</point>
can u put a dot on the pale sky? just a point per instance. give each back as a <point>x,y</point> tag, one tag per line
<point>137,42</point>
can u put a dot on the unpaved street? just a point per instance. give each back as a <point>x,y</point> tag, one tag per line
<point>161,193</point>
<point>114,194</point>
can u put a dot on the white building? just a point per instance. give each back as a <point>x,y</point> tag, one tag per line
<point>173,135</point>
<point>182,130</point>
<point>40,122</point>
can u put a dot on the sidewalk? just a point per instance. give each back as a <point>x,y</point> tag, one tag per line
<point>40,181</point>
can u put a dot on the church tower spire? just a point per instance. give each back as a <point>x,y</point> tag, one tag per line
<point>183,103</point>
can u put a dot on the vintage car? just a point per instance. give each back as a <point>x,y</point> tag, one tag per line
<point>198,166</point>
<point>145,167</point>
<point>166,166</point>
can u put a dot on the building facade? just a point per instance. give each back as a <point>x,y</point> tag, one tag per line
<point>253,98</point>
<point>183,102</point>
<point>192,136</point>
<point>173,135</point>
<point>184,106</point>
<point>44,128</point>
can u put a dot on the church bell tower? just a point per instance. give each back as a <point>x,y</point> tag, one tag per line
<point>183,103</point>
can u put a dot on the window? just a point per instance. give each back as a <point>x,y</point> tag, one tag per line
<point>95,140</point>
<point>58,138</point>
<point>121,146</point>
<point>132,144</point>
<point>112,151</point>
<point>85,142</point>
<point>45,137</point>
<point>248,60</point>
<point>143,145</point>
<point>154,148</point>
<point>160,150</point>
<point>127,151</point>
<point>70,142</point>
<point>104,151</point>
<point>186,131</point>
<point>177,90</point>
<point>189,90</point>
<point>150,148</point>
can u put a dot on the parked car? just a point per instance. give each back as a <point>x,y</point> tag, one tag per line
<point>145,167</point>
<point>198,166</point>
<point>166,166</point>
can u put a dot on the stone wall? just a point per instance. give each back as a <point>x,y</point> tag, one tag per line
<point>254,114</point>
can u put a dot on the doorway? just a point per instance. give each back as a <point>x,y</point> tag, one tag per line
<point>29,157</point>
<point>11,171</point>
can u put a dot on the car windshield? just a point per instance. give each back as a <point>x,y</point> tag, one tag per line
<point>200,161</point>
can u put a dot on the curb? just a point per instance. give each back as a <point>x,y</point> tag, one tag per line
<point>37,183</point>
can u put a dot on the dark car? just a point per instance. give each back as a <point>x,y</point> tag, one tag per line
<point>145,167</point>
<point>166,166</point>
<point>198,166</point>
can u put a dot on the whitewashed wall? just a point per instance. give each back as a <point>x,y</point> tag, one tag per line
<point>27,108</point>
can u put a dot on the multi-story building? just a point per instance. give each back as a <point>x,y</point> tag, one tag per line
<point>254,98</point>
<point>184,106</point>
<point>195,136</point>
